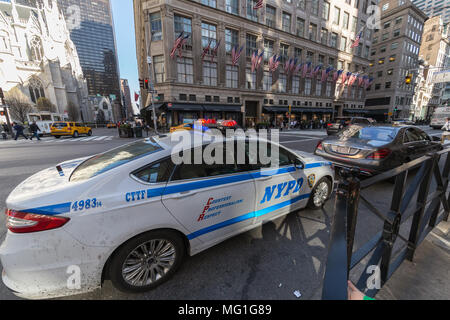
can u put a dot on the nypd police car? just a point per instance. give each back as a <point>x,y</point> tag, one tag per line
<point>131,214</point>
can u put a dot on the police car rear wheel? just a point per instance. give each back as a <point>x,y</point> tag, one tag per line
<point>320,194</point>
<point>146,261</point>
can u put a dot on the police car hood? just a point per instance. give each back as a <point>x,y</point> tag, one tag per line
<point>43,183</point>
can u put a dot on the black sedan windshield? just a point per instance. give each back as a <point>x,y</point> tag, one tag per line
<point>369,133</point>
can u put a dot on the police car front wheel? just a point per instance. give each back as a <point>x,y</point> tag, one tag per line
<point>320,194</point>
<point>146,261</point>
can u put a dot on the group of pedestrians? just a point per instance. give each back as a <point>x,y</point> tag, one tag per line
<point>19,130</point>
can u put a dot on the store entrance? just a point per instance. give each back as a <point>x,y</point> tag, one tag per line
<point>251,114</point>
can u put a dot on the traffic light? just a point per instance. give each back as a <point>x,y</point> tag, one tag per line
<point>146,84</point>
<point>408,78</point>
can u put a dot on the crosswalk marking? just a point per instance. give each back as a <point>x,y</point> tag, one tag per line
<point>62,140</point>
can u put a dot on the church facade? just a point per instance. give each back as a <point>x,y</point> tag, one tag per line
<point>38,57</point>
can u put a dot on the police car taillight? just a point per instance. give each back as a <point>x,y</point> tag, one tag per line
<point>22,222</point>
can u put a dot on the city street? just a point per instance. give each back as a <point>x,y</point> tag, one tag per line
<point>267,263</point>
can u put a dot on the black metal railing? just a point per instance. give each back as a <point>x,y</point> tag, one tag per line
<point>431,207</point>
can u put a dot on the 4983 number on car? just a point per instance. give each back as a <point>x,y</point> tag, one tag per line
<point>84,205</point>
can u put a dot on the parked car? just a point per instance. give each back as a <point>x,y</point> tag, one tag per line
<point>402,122</point>
<point>111,125</point>
<point>377,149</point>
<point>340,123</point>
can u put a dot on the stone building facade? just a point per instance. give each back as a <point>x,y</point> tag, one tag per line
<point>38,57</point>
<point>395,55</point>
<point>318,31</point>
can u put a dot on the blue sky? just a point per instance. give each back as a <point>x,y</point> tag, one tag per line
<point>126,45</point>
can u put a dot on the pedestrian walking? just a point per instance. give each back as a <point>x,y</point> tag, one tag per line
<point>35,131</point>
<point>19,131</point>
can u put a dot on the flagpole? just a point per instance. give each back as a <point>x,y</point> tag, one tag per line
<point>150,75</point>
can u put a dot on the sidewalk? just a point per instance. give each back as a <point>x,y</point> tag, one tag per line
<point>428,277</point>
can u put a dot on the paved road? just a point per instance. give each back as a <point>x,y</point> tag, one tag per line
<point>270,262</point>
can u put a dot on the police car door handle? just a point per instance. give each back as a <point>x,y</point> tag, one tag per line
<point>266,178</point>
<point>182,195</point>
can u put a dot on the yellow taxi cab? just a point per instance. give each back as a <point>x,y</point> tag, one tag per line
<point>185,126</point>
<point>111,125</point>
<point>74,129</point>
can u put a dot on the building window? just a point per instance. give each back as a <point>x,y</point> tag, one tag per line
<point>343,44</point>
<point>158,65</point>
<point>286,22</point>
<point>333,40</point>
<point>326,11</point>
<point>328,89</point>
<point>318,88</point>
<point>394,45</point>
<point>251,79</point>
<point>36,89</point>
<point>210,3</point>
<point>346,20</point>
<point>388,85</point>
<point>308,86</point>
<point>155,25</point>
<point>312,32</point>
<point>36,49</point>
<point>300,27</point>
<point>232,6</point>
<point>268,49</point>
<point>321,59</point>
<point>298,53</point>
<point>183,24</point>
<point>315,7</point>
<point>209,73</point>
<point>209,34</point>
<point>282,83</point>
<point>385,36</point>
<point>301,4</point>
<point>396,32</point>
<point>398,20</point>
<point>231,39</point>
<point>337,15</point>
<point>284,52</point>
<point>250,44</point>
<point>270,16</point>
<point>324,36</point>
<point>252,14</point>
<point>185,70</point>
<point>296,84</point>
<point>232,76</point>
<point>267,83</point>
<point>309,56</point>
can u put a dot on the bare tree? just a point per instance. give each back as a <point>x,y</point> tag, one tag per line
<point>18,104</point>
<point>73,111</point>
<point>44,104</point>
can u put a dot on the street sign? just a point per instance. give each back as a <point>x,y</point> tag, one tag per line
<point>441,76</point>
<point>153,91</point>
<point>149,60</point>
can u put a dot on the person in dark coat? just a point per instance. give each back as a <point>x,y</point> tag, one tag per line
<point>19,131</point>
<point>35,131</point>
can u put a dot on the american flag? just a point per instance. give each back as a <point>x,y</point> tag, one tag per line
<point>345,77</point>
<point>326,73</point>
<point>259,5</point>
<point>297,69</point>
<point>259,60</point>
<point>215,50</point>
<point>236,54</point>
<point>352,79</point>
<point>287,65</point>
<point>293,64</point>
<point>368,82</point>
<point>274,63</point>
<point>337,75</point>
<point>305,69</point>
<point>361,80</point>
<point>254,61</point>
<point>176,45</point>
<point>357,40</point>
<point>206,50</point>
<point>316,70</point>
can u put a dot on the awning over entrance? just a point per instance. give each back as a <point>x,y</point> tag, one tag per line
<point>285,109</point>
<point>221,108</point>
<point>356,111</point>
<point>276,109</point>
<point>378,112</point>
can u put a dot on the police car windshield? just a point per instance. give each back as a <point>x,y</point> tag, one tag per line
<point>114,158</point>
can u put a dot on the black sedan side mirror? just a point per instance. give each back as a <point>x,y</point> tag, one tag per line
<point>436,139</point>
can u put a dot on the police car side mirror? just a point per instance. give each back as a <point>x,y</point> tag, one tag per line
<point>298,164</point>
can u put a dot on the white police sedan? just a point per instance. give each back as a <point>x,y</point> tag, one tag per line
<point>132,215</point>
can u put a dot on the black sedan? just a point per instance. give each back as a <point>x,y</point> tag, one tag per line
<point>377,149</point>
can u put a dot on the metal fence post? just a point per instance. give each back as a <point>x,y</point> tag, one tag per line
<point>342,237</point>
<point>392,225</point>
<point>421,204</point>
